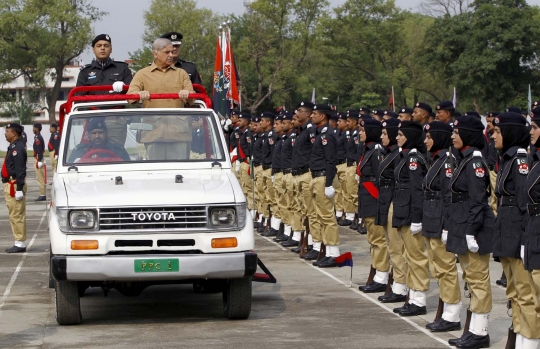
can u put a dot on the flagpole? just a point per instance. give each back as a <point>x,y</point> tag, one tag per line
<point>393,100</point>
<point>350,281</point>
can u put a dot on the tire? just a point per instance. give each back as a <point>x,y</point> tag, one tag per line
<point>51,279</point>
<point>68,306</point>
<point>237,298</point>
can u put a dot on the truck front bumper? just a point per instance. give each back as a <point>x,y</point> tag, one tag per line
<point>121,268</point>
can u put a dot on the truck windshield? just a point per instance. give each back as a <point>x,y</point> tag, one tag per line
<point>133,135</point>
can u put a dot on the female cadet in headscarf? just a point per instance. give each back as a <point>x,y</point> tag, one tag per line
<point>368,193</point>
<point>408,205</point>
<point>471,223</point>
<point>435,229</point>
<point>511,137</point>
<point>385,176</point>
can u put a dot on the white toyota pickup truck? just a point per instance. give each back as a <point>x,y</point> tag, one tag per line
<point>146,197</point>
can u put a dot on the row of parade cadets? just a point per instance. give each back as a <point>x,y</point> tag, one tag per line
<point>420,212</point>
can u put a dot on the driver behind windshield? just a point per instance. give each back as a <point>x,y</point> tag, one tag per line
<point>98,149</point>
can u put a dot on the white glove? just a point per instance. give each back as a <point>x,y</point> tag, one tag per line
<point>227,123</point>
<point>118,86</point>
<point>56,157</point>
<point>522,253</point>
<point>237,166</point>
<point>444,236</point>
<point>39,164</point>
<point>19,195</point>
<point>416,228</point>
<point>357,177</point>
<point>472,245</point>
<point>329,192</point>
<point>272,179</point>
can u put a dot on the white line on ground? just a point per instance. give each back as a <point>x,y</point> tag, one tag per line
<point>440,340</point>
<point>275,243</point>
<point>18,269</point>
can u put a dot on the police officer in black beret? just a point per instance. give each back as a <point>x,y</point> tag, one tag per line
<point>350,191</point>
<point>189,67</point>
<point>389,114</point>
<point>405,114</point>
<point>103,70</point>
<point>14,182</point>
<point>445,111</point>
<point>421,113</point>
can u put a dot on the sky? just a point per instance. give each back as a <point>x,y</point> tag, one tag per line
<point>125,23</point>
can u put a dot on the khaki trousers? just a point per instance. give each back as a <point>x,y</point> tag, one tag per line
<point>519,291</point>
<point>295,203</point>
<point>444,270</point>
<point>351,190</point>
<point>268,197</point>
<point>476,275</point>
<point>493,198</point>
<point>53,161</point>
<point>259,189</point>
<point>305,199</point>
<point>246,183</point>
<point>396,249</point>
<point>40,176</point>
<point>325,220</point>
<point>17,213</point>
<point>280,198</point>
<point>377,239</point>
<point>534,279</point>
<point>233,170</point>
<point>339,185</point>
<point>416,258</point>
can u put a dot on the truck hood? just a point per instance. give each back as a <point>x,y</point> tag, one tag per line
<point>149,189</point>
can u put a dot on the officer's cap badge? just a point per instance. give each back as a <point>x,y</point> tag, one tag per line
<point>496,120</point>
<point>173,36</point>
<point>107,37</point>
<point>427,127</point>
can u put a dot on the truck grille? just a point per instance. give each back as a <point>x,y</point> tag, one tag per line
<point>152,218</point>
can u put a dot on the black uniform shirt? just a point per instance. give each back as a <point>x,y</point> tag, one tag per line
<point>39,147</point>
<point>94,74</point>
<point>54,143</point>
<point>257,148</point>
<point>532,235</point>
<point>368,191</point>
<point>437,184</point>
<point>234,137</point>
<point>245,144</point>
<point>353,146</point>
<point>385,177</point>
<point>269,142</point>
<point>15,163</point>
<point>323,153</point>
<point>302,146</point>
<point>191,70</point>
<point>276,154</point>
<point>287,150</point>
<point>409,194</point>
<point>489,152</point>
<point>341,144</point>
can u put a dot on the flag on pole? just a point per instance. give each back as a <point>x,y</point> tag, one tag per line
<point>313,96</point>
<point>454,100</point>
<point>218,91</point>
<point>530,100</point>
<point>391,102</point>
<point>230,72</point>
<point>345,260</point>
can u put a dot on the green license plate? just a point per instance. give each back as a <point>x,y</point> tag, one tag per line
<point>156,265</point>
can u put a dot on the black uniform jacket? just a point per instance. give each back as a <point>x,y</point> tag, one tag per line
<point>287,150</point>
<point>352,147</point>
<point>302,146</point>
<point>257,149</point>
<point>368,189</point>
<point>532,232</point>
<point>469,212</point>
<point>276,155</point>
<point>341,145</point>
<point>245,145</point>
<point>323,153</point>
<point>191,70</point>
<point>94,74</point>
<point>437,195</point>
<point>408,192</point>
<point>269,142</point>
<point>385,176</point>
<point>39,147</point>
<point>14,166</point>
<point>233,138</point>
<point>54,143</point>
<point>511,223</point>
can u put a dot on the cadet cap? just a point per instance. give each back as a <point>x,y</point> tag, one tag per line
<point>513,110</point>
<point>390,123</point>
<point>378,112</point>
<point>16,127</point>
<point>370,123</point>
<point>424,106</point>
<point>322,107</point>
<point>365,117</point>
<point>473,113</point>
<point>334,116</point>
<point>288,115</point>
<point>406,110</point>
<point>175,37</point>
<point>514,119</point>
<point>493,114</point>
<point>38,126</point>
<point>54,125</point>
<point>256,119</point>
<point>342,116</point>
<point>96,123</point>
<point>100,37</point>
<point>244,115</point>
<point>391,114</point>
<point>352,114</point>
<point>308,105</point>
<point>268,115</point>
<point>438,126</point>
<point>445,105</point>
<point>468,122</point>
<point>364,111</point>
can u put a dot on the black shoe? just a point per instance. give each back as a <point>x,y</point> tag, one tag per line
<point>501,282</point>
<point>15,249</point>
<point>271,232</point>
<point>392,298</point>
<point>361,287</point>
<point>329,262</point>
<point>261,228</point>
<point>362,230</point>
<point>474,342</point>
<point>456,341</point>
<point>345,223</point>
<point>41,198</point>
<point>256,225</point>
<point>297,249</point>
<point>281,238</point>
<point>311,255</point>
<point>374,287</point>
<point>402,308</point>
<point>288,243</point>
<point>413,310</point>
<point>316,263</point>
<point>354,226</point>
<point>442,325</point>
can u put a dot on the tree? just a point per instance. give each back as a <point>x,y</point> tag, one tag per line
<point>40,37</point>
<point>440,8</point>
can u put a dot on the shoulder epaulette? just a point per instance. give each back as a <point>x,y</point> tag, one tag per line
<point>477,154</point>
<point>86,66</point>
<point>413,151</point>
<point>522,152</point>
<point>184,61</point>
<point>324,129</point>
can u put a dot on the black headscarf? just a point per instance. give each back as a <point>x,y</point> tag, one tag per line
<point>414,134</point>
<point>472,138</point>
<point>514,136</point>
<point>537,123</point>
<point>441,133</point>
<point>392,127</point>
<point>373,134</point>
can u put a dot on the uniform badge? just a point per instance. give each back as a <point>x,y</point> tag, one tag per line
<point>38,142</point>
<point>271,141</point>
<point>325,141</point>
<point>312,140</point>
<point>292,141</point>
<point>413,164</point>
<point>448,170</point>
<point>55,136</point>
<point>523,166</point>
<point>92,75</point>
<point>480,172</point>
<point>248,139</point>
<point>14,153</point>
<point>270,134</point>
<point>324,130</point>
<point>237,136</point>
<point>355,140</point>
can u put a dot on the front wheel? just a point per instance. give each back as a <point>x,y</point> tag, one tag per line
<point>237,298</point>
<point>68,306</point>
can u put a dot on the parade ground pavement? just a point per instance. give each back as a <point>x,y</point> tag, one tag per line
<point>307,307</point>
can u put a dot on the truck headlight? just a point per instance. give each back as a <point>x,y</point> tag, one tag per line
<point>81,219</point>
<point>223,217</point>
